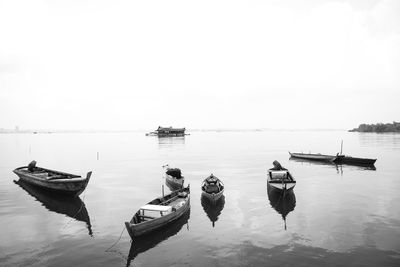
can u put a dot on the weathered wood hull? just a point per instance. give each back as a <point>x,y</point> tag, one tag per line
<point>174,182</point>
<point>316,157</point>
<point>72,186</point>
<point>213,197</point>
<point>354,161</point>
<point>142,228</point>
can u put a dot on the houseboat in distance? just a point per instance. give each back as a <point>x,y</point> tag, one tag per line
<point>168,131</point>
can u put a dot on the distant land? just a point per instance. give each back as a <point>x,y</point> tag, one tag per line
<point>378,128</point>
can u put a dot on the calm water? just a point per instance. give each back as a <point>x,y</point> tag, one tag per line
<point>337,215</point>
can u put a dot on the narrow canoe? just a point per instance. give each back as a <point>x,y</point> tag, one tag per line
<point>159,212</point>
<point>212,188</point>
<point>309,156</point>
<point>61,182</point>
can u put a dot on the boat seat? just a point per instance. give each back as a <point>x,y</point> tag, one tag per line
<point>212,188</point>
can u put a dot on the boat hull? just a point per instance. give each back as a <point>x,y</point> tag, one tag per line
<point>287,186</point>
<point>316,157</point>
<point>213,197</point>
<point>147,227</point>
<point>72,187</point>
<point>174,182</point>
<point>354,161</point>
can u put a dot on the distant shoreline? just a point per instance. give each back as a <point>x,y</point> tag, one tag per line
<point>378,128</point>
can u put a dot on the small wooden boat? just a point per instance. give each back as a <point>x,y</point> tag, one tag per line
<point>280,178</point>
<point>60,182</point>
<point>309,156</point>
<point>159,212</point>
<point>173,176</point>
<point>212,188</point>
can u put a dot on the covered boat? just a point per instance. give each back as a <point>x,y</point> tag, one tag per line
<point>57,181</point>
<point>174,178</point>
<point>280,178</point>
<point>212,188</point>
<point>159,212</point>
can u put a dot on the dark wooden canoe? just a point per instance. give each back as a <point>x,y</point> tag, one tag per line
<point>61,182</point>
<point>309,156</point>
<point>342,159</point>
<point>159,212</point>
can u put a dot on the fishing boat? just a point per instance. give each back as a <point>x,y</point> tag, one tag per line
<point>57,181</point>
<point>212,188</point>
<point>316,157</point>
<point>159,212</point>
<point>173,176</point>
<point>280,178</point>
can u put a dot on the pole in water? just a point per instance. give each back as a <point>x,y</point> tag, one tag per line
<point>97,155</point>
<point>162,190</point>
<point>341,148</point>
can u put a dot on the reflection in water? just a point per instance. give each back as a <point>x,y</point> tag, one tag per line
<point>73,207</point>
<point>143,243</point>
<point>168,141</point>
<point>338,167</point>
<point>283,203</point>
<point>213,209</point>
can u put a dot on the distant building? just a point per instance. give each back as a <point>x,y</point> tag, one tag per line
<point>168,131</point>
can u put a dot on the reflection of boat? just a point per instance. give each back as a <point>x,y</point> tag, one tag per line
<point>173,177</point>
<point>143,243</point>
<point>72,207</point>
<point>212,188</point>
<point>334,164</point>
<point>283,203</point>
<point>213,209</point>
<point>165,141</point>
<point>280,178</point>
<point>61,182</point>
<point>159,212</point>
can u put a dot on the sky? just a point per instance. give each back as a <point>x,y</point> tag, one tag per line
<point>129,65</point>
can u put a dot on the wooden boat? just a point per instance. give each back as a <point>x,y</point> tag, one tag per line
<point>173,177</point>
<point>316,157</point>
<point>60,182</point>
<point>342,159</point>
<point>159,212</point>
<point>72,207</point>
<point>280,178</point>
<point>143,243</point>
<point>212,188</point>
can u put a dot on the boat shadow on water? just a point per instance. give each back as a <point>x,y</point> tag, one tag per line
<point>145,242</point>
<point>338,167</point>
<point>72,207</point>
<point>213,209</point>
<point>282,202</point>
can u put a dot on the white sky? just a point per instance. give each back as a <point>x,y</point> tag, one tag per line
<point>124,65</point>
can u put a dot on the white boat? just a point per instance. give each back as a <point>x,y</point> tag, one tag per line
<point>173,177</point>
<point>212,188</point>
<point>280,178</point>
<point>159,212</point>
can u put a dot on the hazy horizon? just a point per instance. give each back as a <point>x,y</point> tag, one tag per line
<point>74,65</point>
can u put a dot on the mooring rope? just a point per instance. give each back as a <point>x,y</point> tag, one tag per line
<point>116,242</point>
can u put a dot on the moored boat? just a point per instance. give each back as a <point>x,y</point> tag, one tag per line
<point>61,182</point>
<point>310,156</point>
<point>280,178</point>
<point>159,212</point>
<point>342,159</point>
<point>173,176</point>
<point>212,188</point>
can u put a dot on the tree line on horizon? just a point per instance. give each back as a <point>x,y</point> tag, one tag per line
<point>378,128</point>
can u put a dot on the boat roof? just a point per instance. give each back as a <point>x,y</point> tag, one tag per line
<point>156,207</point>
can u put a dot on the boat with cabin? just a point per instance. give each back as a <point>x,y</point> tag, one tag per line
<point>61,182</point>
<point>212,188</point>
<point>159,212</point>
<point>280,178</point>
